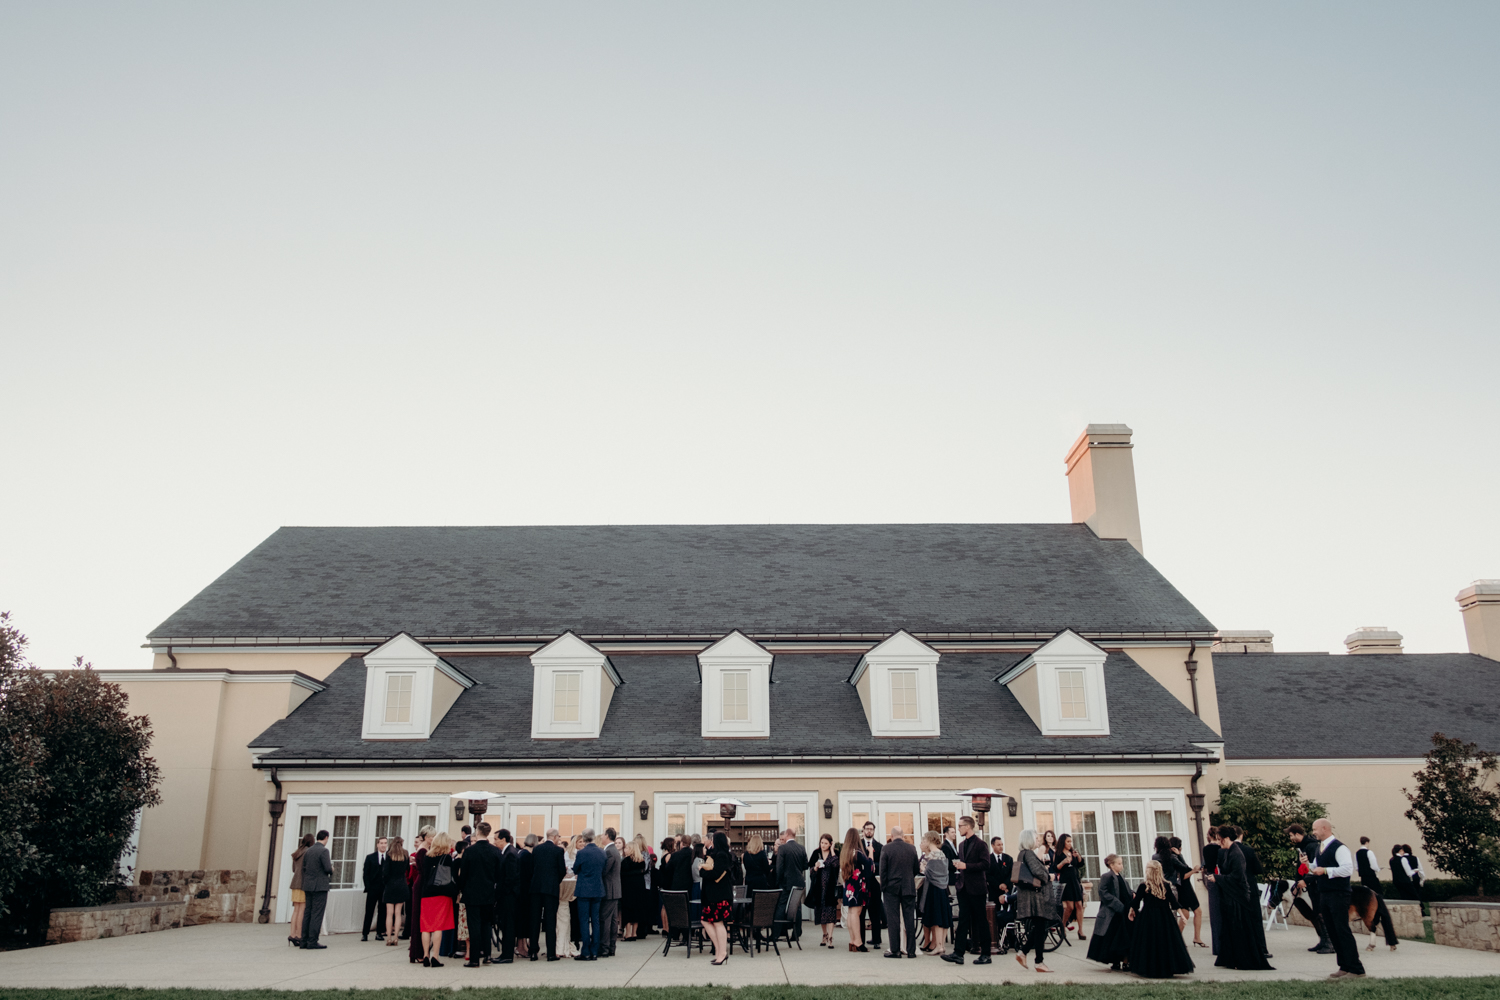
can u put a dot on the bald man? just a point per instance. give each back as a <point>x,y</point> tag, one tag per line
<point>1334,870</point>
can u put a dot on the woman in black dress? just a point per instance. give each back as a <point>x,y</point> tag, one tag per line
<point>393,892</point>
<point>1156,948</point>
<point>1242,940</point>
<point>823,888</point>
<point>635,901</point>
<point>1068,866</point>
<point>1187,896</point>
<point>757,866</point>
<point>717,874</point>
<point>857,874</point>
<point>1111,941</point>
<point>1210,868</point>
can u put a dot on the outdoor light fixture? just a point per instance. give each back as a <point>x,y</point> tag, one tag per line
<point>1010,805</point>
<point>979,801</point>
<point>645,809</point>
<point>479,803</point>
<point>458,810</point>
<point>828,809</point>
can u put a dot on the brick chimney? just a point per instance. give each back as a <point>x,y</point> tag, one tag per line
<point>1373,639</point>
<point>1101,483</point>
<point>1480,604</point>
<point>1242,640</point>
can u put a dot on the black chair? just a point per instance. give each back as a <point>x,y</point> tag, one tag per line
<point>792,921</point>
<point>680,921</point>
<point>763,917</point>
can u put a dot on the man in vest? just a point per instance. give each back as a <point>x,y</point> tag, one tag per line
<point>1334,870</point>
<point>1369,866</point>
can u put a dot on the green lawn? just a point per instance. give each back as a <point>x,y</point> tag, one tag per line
<point>1485,988</point>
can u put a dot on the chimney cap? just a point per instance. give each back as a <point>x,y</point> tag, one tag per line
<point>1373,638</point>
<point>1477,591</point>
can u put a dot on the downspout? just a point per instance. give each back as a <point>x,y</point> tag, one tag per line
<point>1192,668</point>
<point>1195,800</point>
<point>277,805</point>
<point>172,657</point>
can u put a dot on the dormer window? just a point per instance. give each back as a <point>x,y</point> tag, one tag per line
<point>736,678</point>
<point>408,690</point>
<point>1061,686</point>
<point>572,686</point>
<point>897,685</point>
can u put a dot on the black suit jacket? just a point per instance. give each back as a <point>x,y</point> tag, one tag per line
<point>509,883</point>
<point>1252,863</point>
<point>975,854</point>
<point>1001,867</point>
<point>479,871</point>
<point>550,868</point>
<point>950,852</point>
<point>682,870</point>
<point>372,877</point>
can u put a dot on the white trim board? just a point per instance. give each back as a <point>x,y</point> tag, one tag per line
<point>221,676</point>
<point>1323,761</point>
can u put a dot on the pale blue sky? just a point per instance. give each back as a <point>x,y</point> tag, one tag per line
<point>267,264</point>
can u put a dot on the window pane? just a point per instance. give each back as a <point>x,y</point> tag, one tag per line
<point>1164,823</point>
<point>398,698</point>
<point>1070,694</point>
<point>528,823</point>
<point>904,820</point>
<point>676,824</point>
<point>388,827</point>
<point>571,825</point>
<point>737,696</point>
<point>344,845</point>
<point>1128,841</point>
<point>426,821</point>
<point>1085,829</point>
<point>306,825</point>
<point>856,820</point>
<point>903,694</point>
<point>612,822</point>
<point>1043,821</point>
<point>565,697</point>
<point>937,821</point>
<point>796,823</point>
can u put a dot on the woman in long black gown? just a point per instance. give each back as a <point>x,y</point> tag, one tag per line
<point>1242,937</point>
<point>1156,948</point>
<point>1067,865</point>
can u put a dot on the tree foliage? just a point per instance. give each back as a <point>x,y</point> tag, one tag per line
<point>1457,810</point>
<point>1264,812</point>
<point>84,772</point>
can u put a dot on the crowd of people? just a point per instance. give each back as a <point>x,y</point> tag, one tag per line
<point>487,899</point>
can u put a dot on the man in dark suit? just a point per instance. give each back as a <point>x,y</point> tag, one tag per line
<point>898,882</point>
<point>550,867</point>
<point>874,914</point>
<point>374,889</point>
<point>973,922</point>
<point>950,845</point>
<point>317,875</point>
<point>998,884</point>
<point>507,889</point>
<point>609,910</point>
<point>478,876</point>
<point>791,873</point>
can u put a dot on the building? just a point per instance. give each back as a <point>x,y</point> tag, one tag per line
<point>351,679</point>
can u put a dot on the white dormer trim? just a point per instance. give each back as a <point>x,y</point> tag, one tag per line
<point>565,666</point>
<point>1065,668</point>
<point>427,688</point>
<point>889,677</point>
<point>736,660</point>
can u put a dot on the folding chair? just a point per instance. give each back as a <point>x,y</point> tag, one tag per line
<point>680,921</point>
<point>1273,907</point>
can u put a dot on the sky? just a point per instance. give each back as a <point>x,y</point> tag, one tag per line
<point>482,263</point>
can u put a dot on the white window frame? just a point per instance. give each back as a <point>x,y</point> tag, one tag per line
<point>597,680</point>
<point>411,686</point>
<point>735,654</point>
<point>736,682</point>
<point>915,693</point>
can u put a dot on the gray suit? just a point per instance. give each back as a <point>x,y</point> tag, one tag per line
<point>317,875</point>
<point>898,886</point>
<point>609,910</point>
<point>1114,900</point>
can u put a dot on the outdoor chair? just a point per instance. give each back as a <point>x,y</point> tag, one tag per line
<point>763,917</point>
<point>1273,906</point>
<point>792,921</point>
<point>680,921</point>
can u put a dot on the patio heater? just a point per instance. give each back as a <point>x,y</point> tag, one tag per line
<point>979,802</point>
<point>478,802</point>
<point>727,809</point>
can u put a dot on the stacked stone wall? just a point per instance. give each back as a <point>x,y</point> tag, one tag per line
<point>211,896</point>
<point>87,923</point>
<point>1467,925</point>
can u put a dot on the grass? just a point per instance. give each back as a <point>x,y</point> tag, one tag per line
<point>1478,988</point>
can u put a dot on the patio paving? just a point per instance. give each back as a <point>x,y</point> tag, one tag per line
<point>246,956</point>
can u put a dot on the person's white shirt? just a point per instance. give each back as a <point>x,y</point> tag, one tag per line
<point>1345,858</point>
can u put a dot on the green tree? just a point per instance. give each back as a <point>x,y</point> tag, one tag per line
<point>91,774</point>
<point>1457,810</point>
<point>21,754</point>
<point>1264,812</point>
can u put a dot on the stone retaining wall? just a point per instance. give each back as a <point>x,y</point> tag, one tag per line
<point>1467,925</point>
<point>1406,917</point>
<point>86,923</point>
<point>211,896</point>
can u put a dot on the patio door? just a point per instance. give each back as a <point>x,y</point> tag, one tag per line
<point>897,814</point>
<point>567,820</point>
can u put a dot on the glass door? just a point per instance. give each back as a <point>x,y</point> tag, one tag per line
<point>894,814</point>
<point>1083,824</point>
<point>1125,825</point>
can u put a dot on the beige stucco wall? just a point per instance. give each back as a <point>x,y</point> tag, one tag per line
<point>1165,664</point>
<point>312,663</point>
<point>1364,799</point>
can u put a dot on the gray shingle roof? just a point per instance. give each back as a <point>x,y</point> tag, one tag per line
<point>692,580</point>
<point>1384,705</point>
<point>814,713</point>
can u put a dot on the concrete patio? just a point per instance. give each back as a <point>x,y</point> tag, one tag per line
<point>231,956</point>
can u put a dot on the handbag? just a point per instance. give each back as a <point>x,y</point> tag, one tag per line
<point>442,876</point>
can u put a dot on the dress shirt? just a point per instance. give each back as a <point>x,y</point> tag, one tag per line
<point>1345,858</point>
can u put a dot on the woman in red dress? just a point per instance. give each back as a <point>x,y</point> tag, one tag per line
<point>438,888</point>
<point>414,911</point>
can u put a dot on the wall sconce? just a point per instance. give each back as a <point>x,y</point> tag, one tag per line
<point>645,809</point>
<point>458,810</point>
<point>828,809</point>
<point>1010,805</point>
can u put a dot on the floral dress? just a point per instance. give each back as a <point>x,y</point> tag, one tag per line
<point>857,883</point>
